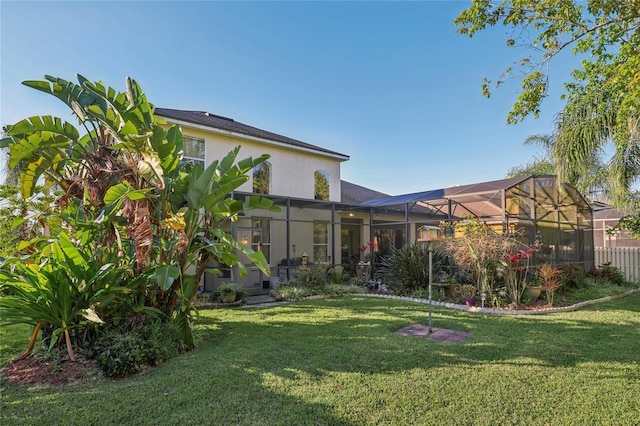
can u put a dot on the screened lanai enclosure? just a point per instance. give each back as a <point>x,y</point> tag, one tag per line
<point>534,209</point>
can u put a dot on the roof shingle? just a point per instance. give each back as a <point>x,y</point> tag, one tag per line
<point>207,119</point>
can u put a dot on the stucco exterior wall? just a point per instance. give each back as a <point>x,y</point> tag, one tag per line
<point>292,175</point>
<point>292,170</point>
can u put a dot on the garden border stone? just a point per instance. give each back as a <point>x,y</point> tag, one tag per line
<point>476,309</point>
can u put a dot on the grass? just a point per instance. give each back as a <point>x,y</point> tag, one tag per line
<point>338,362</point>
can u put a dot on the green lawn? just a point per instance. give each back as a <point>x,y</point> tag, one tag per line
<point>338,362</point>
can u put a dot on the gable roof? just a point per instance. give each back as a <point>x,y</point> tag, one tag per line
<point>603,210</point>
<point>212,121</point>
<point>356,194</point>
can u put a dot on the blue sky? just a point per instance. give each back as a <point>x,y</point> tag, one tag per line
<point>390,84</point>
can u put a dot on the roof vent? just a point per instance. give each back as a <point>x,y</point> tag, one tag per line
<point>208,114</point>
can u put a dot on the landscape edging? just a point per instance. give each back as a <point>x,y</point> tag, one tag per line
<point>476,309</point>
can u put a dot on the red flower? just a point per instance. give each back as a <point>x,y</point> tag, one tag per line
<point>527,253</point>
<point>521,255</point>
<point>370,244</point>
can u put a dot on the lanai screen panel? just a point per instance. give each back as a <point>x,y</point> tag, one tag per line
<point>394,226</point>
<point>563,221</point>
<point>533,208</point>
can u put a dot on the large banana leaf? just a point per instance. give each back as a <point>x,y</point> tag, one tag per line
<point>66,91</point>
<point>119,192</point>
<point>165,275</point>
<point>169,147</point>
<point>45,123</point>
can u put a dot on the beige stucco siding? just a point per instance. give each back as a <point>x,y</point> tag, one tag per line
<point>292,169</point>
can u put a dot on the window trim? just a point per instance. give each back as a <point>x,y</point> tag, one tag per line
<point>195,160</point>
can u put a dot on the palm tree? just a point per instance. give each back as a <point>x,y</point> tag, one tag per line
<point>592,121</point>
<point>591,182</point>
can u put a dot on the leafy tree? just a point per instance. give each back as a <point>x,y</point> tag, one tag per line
<point>123,190</point>
<point>603,98</point>
<point>631,221</point>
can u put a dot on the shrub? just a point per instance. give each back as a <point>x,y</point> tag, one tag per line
<point>409,267</point>
<point>572,275</point>
<point>481,251</point>
<point>291,290</point>
<point>341,289</point>
<point>138,342</point>
<point>608,273</point>
<point>338,275</point>
<point>315,276</point>
<point>549,276</point>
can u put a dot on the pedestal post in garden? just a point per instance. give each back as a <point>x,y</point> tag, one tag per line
<point>430,281</point>
<point>429,234</point>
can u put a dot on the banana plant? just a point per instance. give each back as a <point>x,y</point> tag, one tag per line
<point>125,185</point>
<point>200,206</point>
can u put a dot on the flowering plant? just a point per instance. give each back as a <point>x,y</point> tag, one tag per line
<point>364,272</point>
<point>370,245</point>
<point>516,273</point>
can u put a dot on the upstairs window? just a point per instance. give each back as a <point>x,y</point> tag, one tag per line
<point>321,190</point>
<point>193,150</point>
<point>262,178</point>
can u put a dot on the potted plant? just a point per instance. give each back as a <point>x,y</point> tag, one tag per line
<point>534,291</point>
<point>229,292</point>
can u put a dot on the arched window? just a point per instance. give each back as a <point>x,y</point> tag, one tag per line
<point>321,185</point>
<point>262,178</point>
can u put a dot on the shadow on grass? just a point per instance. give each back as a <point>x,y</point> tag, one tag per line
<point>357,335</point>
<point>287,364</point>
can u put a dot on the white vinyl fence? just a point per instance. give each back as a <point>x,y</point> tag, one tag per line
<point>627,259</point>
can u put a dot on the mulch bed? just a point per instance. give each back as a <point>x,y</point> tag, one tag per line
<point>24,369</point>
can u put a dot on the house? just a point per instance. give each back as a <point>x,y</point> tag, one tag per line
<point>605,218</point>
<point>320,218</point>
<point>325,220</point>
